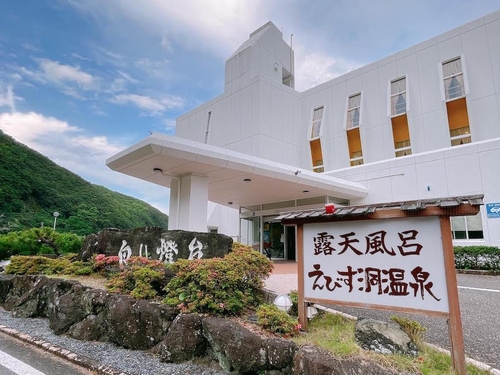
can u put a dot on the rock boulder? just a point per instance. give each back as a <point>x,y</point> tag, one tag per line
<point>184,340</point>
<point>383,337</point>
<point>156,243</point>
<point>311,360</point>
<point>137,324</point>
<point>235,347</point>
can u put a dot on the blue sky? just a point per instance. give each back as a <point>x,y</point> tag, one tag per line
<point>81,80</point>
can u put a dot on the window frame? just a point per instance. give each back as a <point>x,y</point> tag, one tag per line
<point>311,123</point>
<point>209,123</point>
<point>390,96</point>
<point>441,64</point>
<point>467,238</point>
<point>349,97</point>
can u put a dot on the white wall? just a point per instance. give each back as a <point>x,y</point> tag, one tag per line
<point>258,115</point>
<point>457,171</point>
<point>225,219</point>
<point>479,45</point>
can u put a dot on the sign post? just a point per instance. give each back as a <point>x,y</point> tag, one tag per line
<point>454,320</point>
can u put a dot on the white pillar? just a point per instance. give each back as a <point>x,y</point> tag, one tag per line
<point>188,204</point>
<point>173,212</point>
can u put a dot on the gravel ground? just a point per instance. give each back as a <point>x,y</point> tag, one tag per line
<point>132,362</point>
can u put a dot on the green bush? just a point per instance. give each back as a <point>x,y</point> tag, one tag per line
<point>141,278</point>
<point>36,241</point>
<point>277,321</point>
<point>477,257</point>
<point>219,286</point>
<point>32,265</point>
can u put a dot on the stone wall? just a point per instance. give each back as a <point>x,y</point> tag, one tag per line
<point>156,243</point>
<point>92,314</point>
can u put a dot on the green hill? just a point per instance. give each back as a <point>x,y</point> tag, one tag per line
<point>32,188</point>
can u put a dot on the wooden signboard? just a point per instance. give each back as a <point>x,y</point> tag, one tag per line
<point>389,260</point>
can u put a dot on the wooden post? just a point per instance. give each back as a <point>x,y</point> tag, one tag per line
<point>454,321</point>
<point>300,271</point>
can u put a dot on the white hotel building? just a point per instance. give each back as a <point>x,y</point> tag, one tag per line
<point>423,123</point>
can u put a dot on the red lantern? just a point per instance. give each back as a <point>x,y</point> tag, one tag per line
<point>329,208</point>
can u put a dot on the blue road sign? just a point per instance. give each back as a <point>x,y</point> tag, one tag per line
<point>493,210</point>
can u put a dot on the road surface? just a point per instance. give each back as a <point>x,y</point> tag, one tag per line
<point>18,358</point>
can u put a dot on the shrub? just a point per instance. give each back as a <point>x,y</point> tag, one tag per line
<point>477,257</point>
<point>277,321</point>
<point>105,265</point>
<point>31,265</point>
<point>67,243</point>
<point>141,278</point>
<point>37,241</point>
<point>413,329</point>
<point>219,286</point>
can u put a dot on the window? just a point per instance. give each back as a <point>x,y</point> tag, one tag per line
<point>316,155</point>
<point>399,119</point>
<point>456,103</point>
<point>316,122</point>
<point>207,131</point>
<point>467,227</point>
<point>353,133</point>
<point>314,140</point>
<point>353,111</point>
<point>453,79</point>
<point>398,97</point>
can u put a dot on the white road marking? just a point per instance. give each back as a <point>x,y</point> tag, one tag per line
<point>481,289</point>
<point>15,365</point>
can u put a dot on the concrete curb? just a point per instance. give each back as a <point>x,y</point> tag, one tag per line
<point>480,365</point>
<point>74,358</point>
<point>479,272</point>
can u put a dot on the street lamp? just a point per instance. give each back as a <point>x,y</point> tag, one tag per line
<point>56,214</point>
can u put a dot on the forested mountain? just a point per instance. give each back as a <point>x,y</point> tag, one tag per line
<point>32,188</point>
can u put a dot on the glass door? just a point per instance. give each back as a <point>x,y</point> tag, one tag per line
<point>273,238</point>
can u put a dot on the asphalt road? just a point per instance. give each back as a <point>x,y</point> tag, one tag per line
<point>480,309</point>
<point>18,358</point>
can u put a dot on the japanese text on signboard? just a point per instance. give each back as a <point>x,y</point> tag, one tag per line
<point>378,262</point>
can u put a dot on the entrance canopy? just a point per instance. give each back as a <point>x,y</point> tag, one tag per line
<point>234,179</point>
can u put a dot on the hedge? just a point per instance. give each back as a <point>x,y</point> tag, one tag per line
<point>477,257</point>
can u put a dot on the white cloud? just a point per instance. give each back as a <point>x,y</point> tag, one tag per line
<point>215,25</point>
<point>8,99</point>
<point>29,127</point>
<point>70,80</point>
<point>315,68</point>
<point>85,155</point>
<point>79,57</point>
<point>154,106</point>
<point>169,124</point>
<point>166,43</point>
<point>53,71</point>
<point>30,47</point>
<point>127,77</point>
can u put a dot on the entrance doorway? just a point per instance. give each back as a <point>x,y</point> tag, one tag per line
<point>290,235</point>
<point>271,238</point>
<point>278,241</point>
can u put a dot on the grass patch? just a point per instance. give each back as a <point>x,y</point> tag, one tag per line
<point>332,332</point>
<point>335,333</point>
